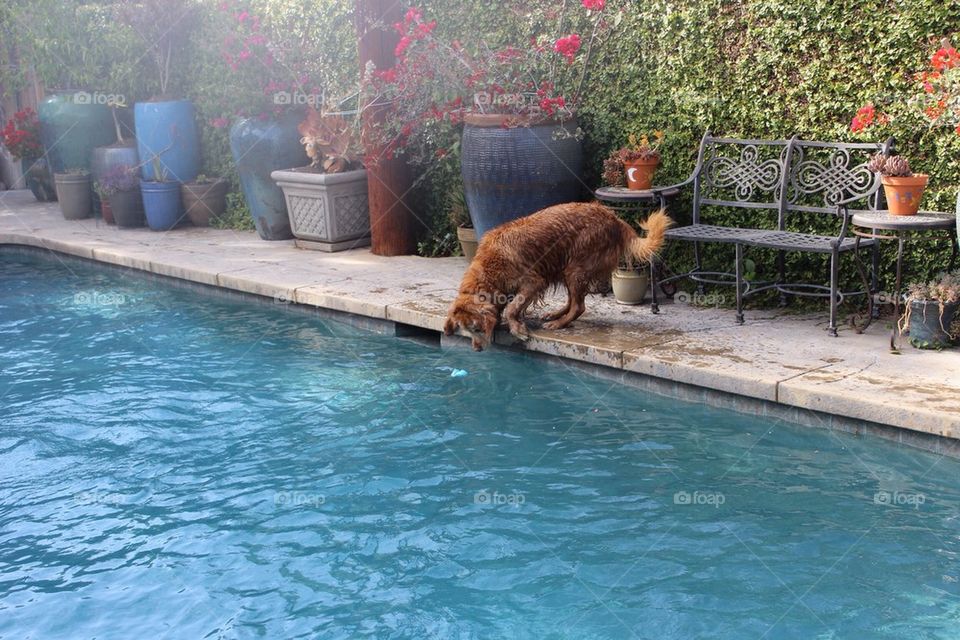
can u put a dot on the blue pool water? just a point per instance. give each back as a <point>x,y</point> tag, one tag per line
<point>177,465</point>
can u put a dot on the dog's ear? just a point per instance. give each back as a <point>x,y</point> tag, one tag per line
<point>489,318</point>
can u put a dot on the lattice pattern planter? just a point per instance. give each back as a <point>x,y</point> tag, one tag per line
<point>328,212</point>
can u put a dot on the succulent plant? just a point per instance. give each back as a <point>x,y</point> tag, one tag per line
<point>897,166</point>
<point>893,166</point>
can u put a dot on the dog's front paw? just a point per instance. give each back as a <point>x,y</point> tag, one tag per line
<point>554,325</point>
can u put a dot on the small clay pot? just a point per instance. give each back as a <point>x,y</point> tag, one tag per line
<point>904,193</point>
<point>468,241</point>
<point>640,173</point>
<point>204,201</point>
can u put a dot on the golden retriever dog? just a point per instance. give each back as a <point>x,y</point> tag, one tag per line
<point>576,244</point>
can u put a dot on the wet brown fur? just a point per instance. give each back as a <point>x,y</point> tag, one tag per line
<point>576,245</point>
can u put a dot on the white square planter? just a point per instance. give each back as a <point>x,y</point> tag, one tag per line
<point>328,211</point>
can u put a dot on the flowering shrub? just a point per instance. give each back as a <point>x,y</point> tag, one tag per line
<point>938,98</point>
<point>437,80</point>
<point>21,135</point>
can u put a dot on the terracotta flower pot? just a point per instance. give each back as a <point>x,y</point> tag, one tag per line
<point>204,201</point>
<point>904,193</point>
<point>640,173</point>
<point>468,241</point>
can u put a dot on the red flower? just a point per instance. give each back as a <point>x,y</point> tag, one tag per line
<point>594,5</point>
<point>945,58</point>
<point>567,46</point>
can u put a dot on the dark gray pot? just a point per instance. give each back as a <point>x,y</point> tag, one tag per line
<point>74,194</point>
<point>928,330</point>
<point>127,208</point>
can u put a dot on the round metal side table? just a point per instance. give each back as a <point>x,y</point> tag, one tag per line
<point>879,225</point>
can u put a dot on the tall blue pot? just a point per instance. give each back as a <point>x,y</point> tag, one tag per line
<point>259,148</point>
<point>162,204</point>
<point>168,130</point>
<point>512,172</point>
<point>71,128</point>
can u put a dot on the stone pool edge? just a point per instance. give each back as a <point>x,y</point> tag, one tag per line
<point>794,399</point>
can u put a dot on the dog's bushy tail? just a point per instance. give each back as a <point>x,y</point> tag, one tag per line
<point>643,249</point>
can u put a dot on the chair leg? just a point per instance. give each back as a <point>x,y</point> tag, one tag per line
<point>698,264</point>
<point>782,276</point>
<point>875,277</point>
<point>739,283</point>
<point>834,302</point>
<point>654,304</point>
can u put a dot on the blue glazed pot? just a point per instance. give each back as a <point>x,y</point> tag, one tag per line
<point>259,148</point>
<point>168,130</point>
<point>161,204</point>
<point>71,128</point>
<point>512,172</point>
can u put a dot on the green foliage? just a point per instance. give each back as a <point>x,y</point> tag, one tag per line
<point>236,216</point>
<point>772,69</point>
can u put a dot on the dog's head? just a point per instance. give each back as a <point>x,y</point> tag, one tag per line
<point>475,315</point>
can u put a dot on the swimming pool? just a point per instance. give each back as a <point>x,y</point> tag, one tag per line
<point>178,464</point>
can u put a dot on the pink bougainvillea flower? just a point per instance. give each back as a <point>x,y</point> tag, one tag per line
<point>219,123</point>
<point>567,46</point>
<point>402,46</point>
<point>594,5</point>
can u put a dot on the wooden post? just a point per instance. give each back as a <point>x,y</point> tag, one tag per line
<point>393,225</point>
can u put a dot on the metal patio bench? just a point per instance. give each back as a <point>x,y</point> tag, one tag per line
<point>782,182</point>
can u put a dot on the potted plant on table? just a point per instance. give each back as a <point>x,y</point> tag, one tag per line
<point>21,137</point>
<point>636,164</point>
<point>903,188</point>
<point>327,200</point>
<point>204,199</point>
<point>930,311</point>
<point>121,185</point>
<point>74,193</point>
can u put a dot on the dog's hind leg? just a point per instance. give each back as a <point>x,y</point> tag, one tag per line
<point>576,306</point>
<point>513,312</point>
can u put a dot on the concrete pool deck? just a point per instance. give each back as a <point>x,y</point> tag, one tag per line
<point>780,363</point>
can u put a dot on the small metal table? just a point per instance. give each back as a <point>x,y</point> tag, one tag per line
<point>623,196</point>
<point>626,200</point>
<point>880,225</point>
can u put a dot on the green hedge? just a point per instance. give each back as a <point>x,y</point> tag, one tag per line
<point>759,68</point>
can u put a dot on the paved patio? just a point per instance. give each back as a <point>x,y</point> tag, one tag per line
<point>786,361</point>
